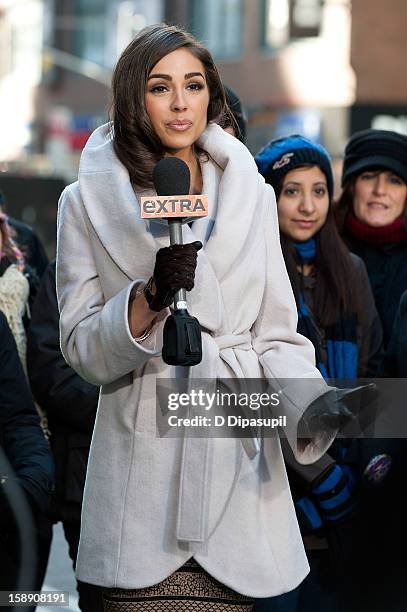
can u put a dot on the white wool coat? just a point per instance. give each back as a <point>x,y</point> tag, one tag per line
<point>151,503</point>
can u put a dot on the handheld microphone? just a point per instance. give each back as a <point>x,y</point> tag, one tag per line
<point>171,178</point>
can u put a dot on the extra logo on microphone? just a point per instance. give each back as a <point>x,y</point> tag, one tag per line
<point>164,207</point>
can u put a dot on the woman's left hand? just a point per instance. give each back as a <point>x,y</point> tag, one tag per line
<point>335,409</point>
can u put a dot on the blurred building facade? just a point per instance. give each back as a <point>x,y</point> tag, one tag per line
<point>56,59</point>
<point>378,56</point>
<point>320,67</point>
<point>80,49</point>
<point>324,68</point>
<point>289,60</point>
<point>21,35</point>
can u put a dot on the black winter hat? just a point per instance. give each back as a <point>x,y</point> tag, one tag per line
<point>237,110</point>
<point>375,149</point>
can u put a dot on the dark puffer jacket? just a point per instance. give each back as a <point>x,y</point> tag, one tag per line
<point>22,438</point>
<point>26,475</point>
<point>395,361</point>
<point>387,269</point>
<point>69,401</point>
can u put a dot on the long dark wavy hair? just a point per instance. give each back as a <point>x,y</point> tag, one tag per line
<point>134,140</point>
<point>10,249</point>
<point>336,293</point>
<point>344,205</point>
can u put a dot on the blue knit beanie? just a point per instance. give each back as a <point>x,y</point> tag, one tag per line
<point>284,154</point>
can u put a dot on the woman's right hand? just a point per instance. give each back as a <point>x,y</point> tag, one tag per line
<point>174,270</point>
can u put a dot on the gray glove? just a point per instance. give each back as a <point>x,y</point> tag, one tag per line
<point>335,409</point>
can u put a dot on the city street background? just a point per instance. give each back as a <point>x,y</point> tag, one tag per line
<point>322,68</point>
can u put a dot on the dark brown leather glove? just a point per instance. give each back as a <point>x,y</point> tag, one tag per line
<point>174,270</point>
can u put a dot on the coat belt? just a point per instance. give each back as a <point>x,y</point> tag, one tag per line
<point>197,453</point>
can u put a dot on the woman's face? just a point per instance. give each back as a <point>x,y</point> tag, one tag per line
<point>303,203</point>
<point>379,197</point>
<point>177,99</point>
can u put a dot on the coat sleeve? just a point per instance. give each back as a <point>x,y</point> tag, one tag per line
<point>95,336</point>
<point>287,357</point>
<point>66,398</point>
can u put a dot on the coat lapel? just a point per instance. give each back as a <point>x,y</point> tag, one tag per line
<point>236,198</point>
<point>113,209</point>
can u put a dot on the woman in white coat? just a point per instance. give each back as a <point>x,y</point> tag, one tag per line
<point>196,523</point>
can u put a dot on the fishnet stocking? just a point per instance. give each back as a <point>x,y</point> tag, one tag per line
<point>189,589</point>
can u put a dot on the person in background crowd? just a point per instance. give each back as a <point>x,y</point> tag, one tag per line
<point>19,283</point>
<point>236,127</point>
<point>18,286</point>
<point>35,257</point>
<point>32,472</point>
<point>337,313</point>
<point>69,403</point>
<point>168,524</point>
<point>371,216</point>
<point>14,286</point>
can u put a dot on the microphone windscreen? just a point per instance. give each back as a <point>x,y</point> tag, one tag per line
<point>171,177</point>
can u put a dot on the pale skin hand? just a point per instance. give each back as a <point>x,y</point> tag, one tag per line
<point>139,315</point>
